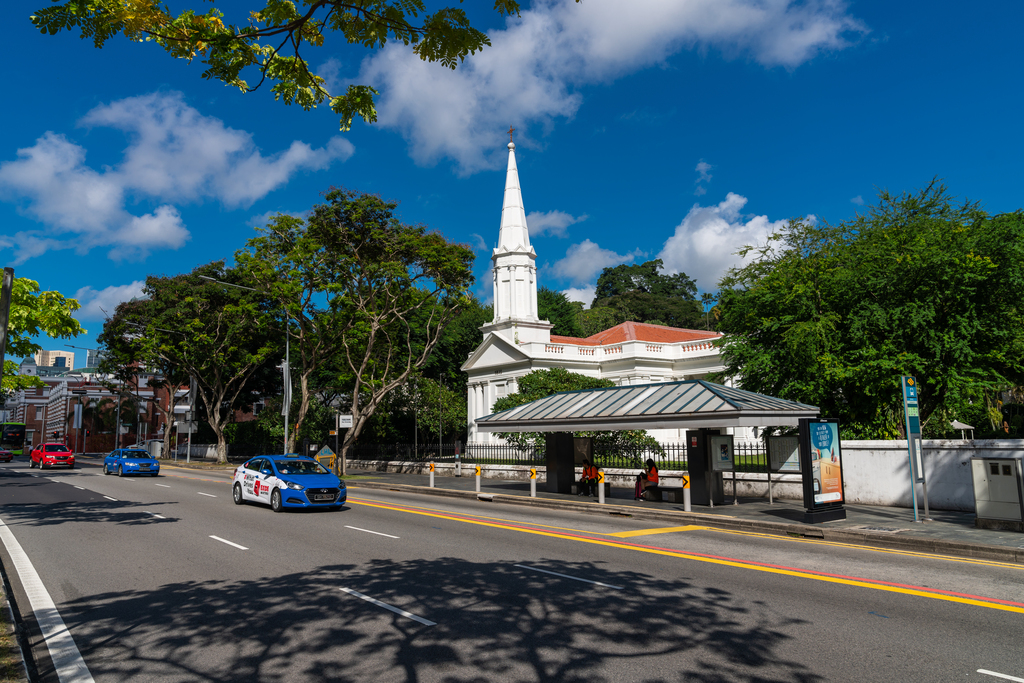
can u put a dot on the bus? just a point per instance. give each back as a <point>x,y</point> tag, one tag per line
<point>12,437</point>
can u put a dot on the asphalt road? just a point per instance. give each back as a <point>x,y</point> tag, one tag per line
<point>164,579</point>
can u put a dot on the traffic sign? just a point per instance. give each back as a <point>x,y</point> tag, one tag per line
<point>344,422</point>
<point>686,482</point>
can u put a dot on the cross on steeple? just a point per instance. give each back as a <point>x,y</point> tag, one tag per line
<point>510,131</point>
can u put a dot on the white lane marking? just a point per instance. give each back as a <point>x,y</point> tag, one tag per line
<point>109,498</point>
<point>369,532</point>
<point>79,488</point>
<point>164,485</point>
<point>566,576</point>
<point>408,615</point>
<point>154,514</point>
<point>208,495</point>
<point>67,660</point>
<point>233,545</point>
<point>998,675</point>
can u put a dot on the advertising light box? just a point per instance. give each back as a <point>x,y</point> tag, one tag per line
<point>821,463</point>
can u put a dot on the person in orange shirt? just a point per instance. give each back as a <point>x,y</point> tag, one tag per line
<point>646,480</point>
<point>588,479</point>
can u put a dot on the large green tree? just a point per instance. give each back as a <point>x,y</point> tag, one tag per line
<point>395,290</point>
<point>34,313</point>
<point>273,42</point>
<point>460,338</point>
<point>642,293</point>
<point>923,284</point>
<point>556,308</point>
<point>126,349</point>
<point>221,337</point>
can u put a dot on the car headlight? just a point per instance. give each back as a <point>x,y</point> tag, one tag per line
<point>292,485</point>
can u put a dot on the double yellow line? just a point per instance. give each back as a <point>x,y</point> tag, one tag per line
<point>583,537</point>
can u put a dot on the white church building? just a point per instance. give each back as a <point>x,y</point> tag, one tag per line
<point>517,341</point>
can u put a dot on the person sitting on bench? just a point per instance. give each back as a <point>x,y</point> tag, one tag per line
<point>645,480</point>
<point>588,479</point>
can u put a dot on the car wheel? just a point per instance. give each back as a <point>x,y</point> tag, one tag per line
<point>120,471</point>
<point>236,494</point>
<point>106,470</point>
<point>31,464</point>
<point>275,501</point>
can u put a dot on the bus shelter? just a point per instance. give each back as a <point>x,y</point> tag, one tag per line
<point>699,405</point>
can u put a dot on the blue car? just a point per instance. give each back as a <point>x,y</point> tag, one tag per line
<point>126,461</point>
<point>287,481</point>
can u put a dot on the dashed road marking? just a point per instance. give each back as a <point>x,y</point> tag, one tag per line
<point>999,675</point>
<point>566,576</point>
<point>370,532</point>
<point>233,545</point>
<point>208,495</point>
<point>402,612</point>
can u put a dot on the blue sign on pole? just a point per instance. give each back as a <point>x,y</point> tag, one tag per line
<point>912,417</point>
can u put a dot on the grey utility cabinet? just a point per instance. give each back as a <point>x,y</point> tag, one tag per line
<point>999,491</point>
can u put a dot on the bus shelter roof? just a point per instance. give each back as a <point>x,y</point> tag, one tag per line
<point>688,404</point>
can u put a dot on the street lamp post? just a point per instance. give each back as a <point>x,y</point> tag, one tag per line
<point>287,353</point>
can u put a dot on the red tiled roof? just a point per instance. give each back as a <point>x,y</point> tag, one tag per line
<point>631,331</point>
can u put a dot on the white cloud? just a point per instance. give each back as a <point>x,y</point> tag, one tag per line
<point>532,70</point>
<point>584,294</point>
<point>98,305</point>
<point>174,155</point>
<point>477,243</point>
<point>584,261</point>
<point>704,245</point>
<point>858,200</point>
<point>552,222</point>
<point>178,154</point>
<point>700,191</point>
<point>702,168</point>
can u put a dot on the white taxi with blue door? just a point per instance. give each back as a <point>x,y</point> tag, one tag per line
<point>287,481</point>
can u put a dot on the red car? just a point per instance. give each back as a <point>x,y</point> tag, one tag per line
<point>52,455</point>
<point>6,455</point>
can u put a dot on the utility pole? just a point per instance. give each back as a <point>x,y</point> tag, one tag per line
<point>5,314</point>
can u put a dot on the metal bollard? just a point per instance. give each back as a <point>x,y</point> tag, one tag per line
<point>600,487</point>
<point>478,478</point>
<point>533,482</point>
<point>686,494</point>
<point>431,475</point>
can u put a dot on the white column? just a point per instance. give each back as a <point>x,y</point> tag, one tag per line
<point>535,313</point>
<point>513,312</point>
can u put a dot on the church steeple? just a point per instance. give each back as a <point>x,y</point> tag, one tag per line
<point>514,234</point>
<point>515,270</point>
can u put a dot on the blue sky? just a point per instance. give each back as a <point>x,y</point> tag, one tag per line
<point>675,129</point>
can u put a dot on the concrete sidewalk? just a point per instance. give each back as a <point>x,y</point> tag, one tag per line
<point>948,533</point>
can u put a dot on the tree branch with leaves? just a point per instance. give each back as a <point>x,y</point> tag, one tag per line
<point>275,40</point>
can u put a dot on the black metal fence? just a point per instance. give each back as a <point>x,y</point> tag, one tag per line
<point>748,457</point>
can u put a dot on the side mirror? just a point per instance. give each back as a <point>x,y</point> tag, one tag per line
<point>269,473</point>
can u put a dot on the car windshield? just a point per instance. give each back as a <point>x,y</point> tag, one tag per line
<point>57,449</point>
<point>136,454</point>
<point>300,467</point>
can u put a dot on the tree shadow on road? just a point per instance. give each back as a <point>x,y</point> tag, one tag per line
<point>494,622</point>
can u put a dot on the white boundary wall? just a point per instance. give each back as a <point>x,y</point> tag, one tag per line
<point>876,472</point>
